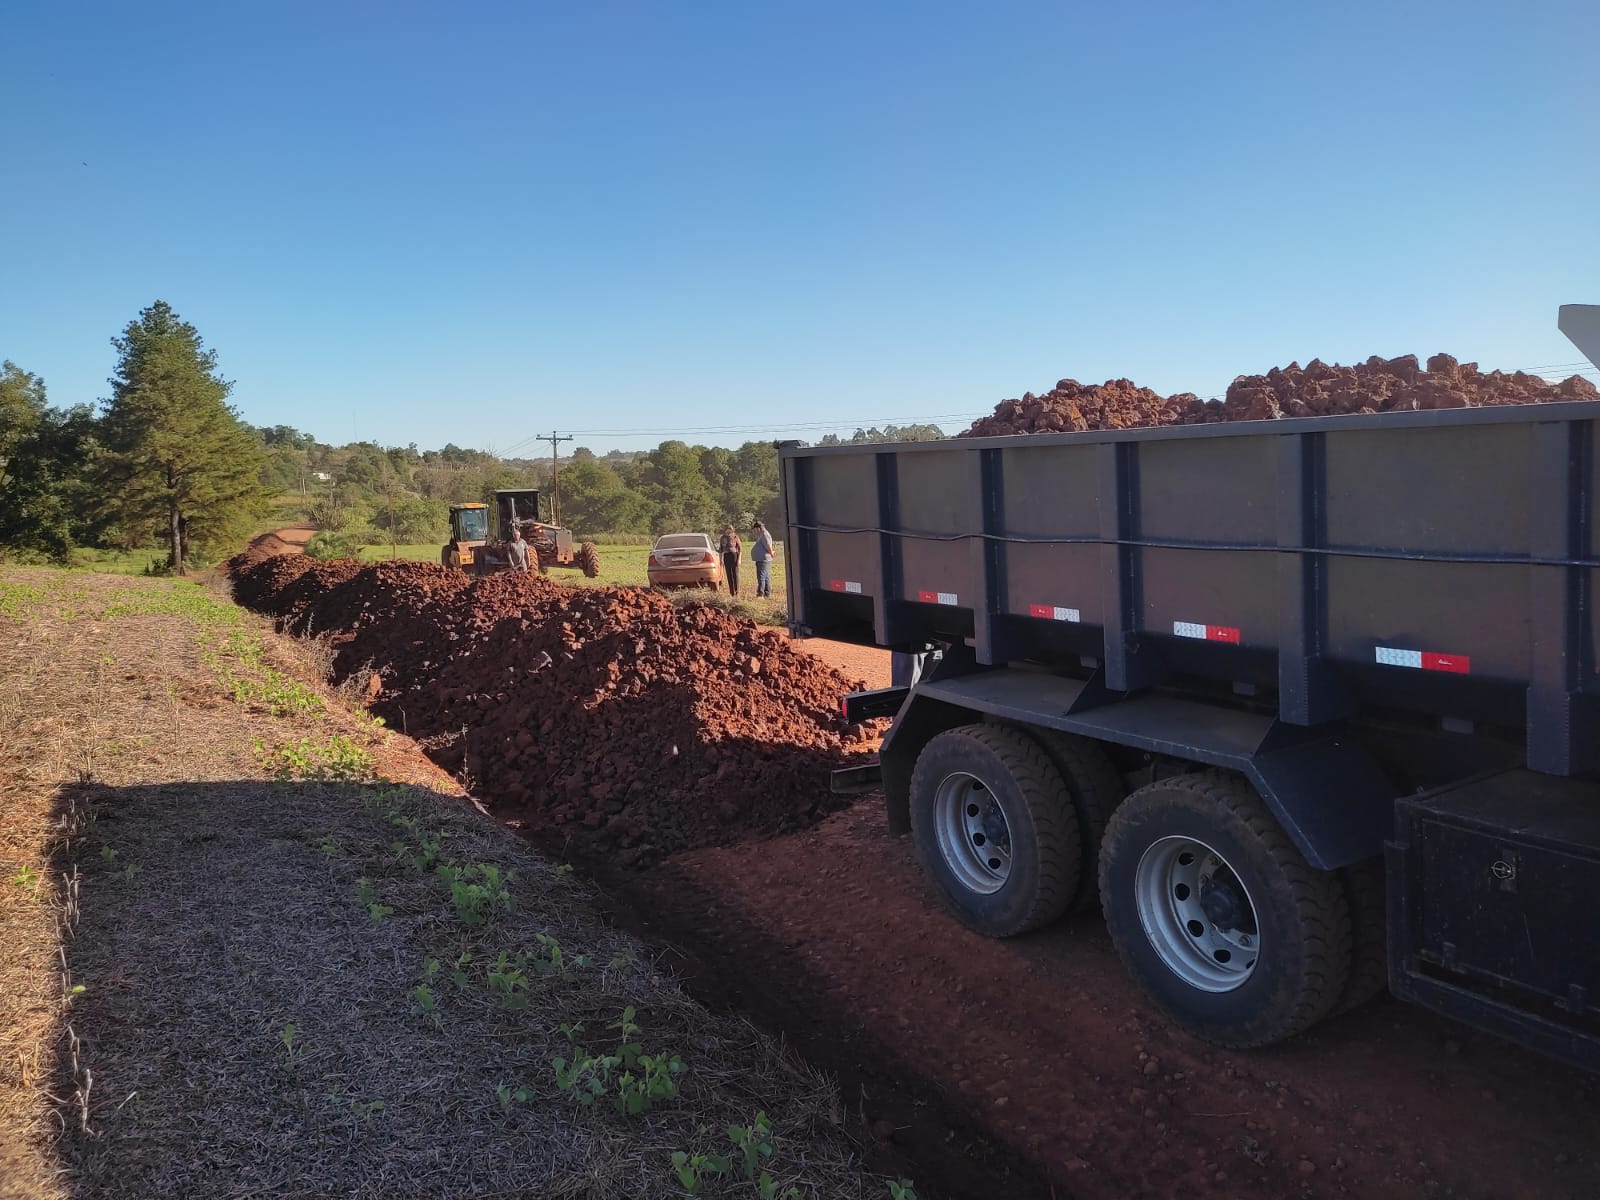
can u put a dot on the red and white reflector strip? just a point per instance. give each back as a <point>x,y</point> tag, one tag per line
<point>1206,633</point>
<point>1052,612</point>
<point>844,585</point>
<point>937,598</point>
<point>1423,660</point>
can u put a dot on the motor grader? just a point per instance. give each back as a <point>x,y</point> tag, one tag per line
<point>472,548</point>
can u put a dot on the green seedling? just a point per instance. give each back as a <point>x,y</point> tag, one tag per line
<point>508,982</point>
<point>477,891</point>
<point>627,1031</point>
<point>510,1097</point>
<point>692,1169</point>
<point>27,877</point>
<point>290,1038</point>
<point>424,1003</point>
<point>901,1189</point>
<point>107,854</point>
<point>655,1083</point>
<point>636,1081</point>
<point>768,1190</point>
<point>754,1144</point>
<point>365,1109</point>
<point>554,958</point>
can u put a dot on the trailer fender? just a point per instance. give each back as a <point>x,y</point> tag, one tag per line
<point>1329,794</point>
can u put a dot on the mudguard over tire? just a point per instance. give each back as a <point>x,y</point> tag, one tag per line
<point>588,559</point>
<point>1217,916</point>
<point>994,829</point>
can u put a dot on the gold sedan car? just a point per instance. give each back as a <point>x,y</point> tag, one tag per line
<point>684,560</point>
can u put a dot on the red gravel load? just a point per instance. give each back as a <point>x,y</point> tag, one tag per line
<point>1315,390</point>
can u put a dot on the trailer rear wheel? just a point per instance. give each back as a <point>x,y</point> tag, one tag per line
<point>1217,916</point>
<point>993,829</point>
<point>1369,954</point>
<point>1095,787</point>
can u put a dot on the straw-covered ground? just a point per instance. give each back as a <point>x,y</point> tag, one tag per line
<point>252,944</point>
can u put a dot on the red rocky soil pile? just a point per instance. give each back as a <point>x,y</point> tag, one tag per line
<point>603,716</point>
<point>1315,390</point>
<point>1073,407</point>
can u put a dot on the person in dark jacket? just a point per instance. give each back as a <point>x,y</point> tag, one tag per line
<point>761,552</point>
<point>731,549</point>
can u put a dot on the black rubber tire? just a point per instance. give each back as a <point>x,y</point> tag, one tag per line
<point>1095,787</point>
<point>589,559</point>
<point>446,558</point>
<point>1045,854</point>
<point>1304,925</point>
<point>1363,886</point>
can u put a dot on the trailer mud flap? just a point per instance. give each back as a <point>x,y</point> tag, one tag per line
<point>847,781</point>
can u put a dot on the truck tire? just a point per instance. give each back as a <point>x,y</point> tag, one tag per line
<point>1363,886</point>
<point>1217,916</point>
<point>1095,787</point>
<point>993,829</point>
<point>589,559</point>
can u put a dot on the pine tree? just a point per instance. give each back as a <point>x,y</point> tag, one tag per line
<point>178,457</point>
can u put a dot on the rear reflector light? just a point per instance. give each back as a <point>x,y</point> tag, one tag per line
<point>710,557</point>
<point>844,585</point>
<point>1052,612</point>
<point>938,598</point>
<point>1206,633</point>
<point>1422,660</point>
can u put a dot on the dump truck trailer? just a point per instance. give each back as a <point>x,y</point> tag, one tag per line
<point>1304,706</point>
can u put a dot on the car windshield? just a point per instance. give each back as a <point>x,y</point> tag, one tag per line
<point>683,541</point>
<point>474,524</point>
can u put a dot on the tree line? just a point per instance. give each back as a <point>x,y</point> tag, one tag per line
<point>166,461</point>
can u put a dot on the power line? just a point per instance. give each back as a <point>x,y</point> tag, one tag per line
<point>836,423</point>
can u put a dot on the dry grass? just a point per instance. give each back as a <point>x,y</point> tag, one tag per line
<point>216,907</point>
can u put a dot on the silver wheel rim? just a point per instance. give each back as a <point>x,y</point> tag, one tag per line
<point>1197,914</point>
<point>974,837</point>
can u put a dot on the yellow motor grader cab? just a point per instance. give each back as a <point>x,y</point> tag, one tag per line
<point>550,545</point>
<point>469,529</point>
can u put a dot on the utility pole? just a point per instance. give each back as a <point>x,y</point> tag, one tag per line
<point>555,475</point>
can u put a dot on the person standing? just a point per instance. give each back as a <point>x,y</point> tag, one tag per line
<point>518,549</point>
<point>731,548</point>
<point>761,553</point>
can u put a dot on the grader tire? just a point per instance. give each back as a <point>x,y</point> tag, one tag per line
<point>589,560</point>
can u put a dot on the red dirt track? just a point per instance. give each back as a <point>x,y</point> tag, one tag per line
<point>984,1070</point>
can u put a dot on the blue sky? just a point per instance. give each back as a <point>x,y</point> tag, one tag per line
<point>475,223</point>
